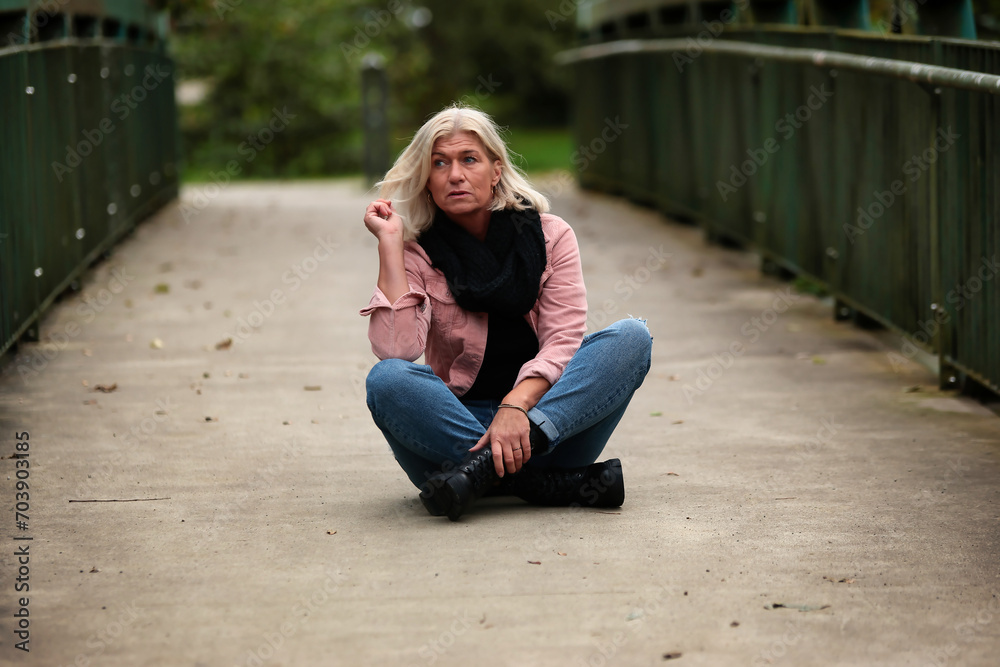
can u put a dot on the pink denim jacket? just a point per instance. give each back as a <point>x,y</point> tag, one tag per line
<point>427,320</point>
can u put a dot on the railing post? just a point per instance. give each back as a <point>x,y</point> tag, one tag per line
<point>374,107</point>
<point>842,13</point>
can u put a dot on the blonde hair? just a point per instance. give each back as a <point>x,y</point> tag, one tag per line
<point>406,183</point>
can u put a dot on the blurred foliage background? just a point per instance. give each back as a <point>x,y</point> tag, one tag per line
<point>239,60</point>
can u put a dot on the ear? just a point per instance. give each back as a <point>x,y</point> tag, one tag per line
<point>497,170</point>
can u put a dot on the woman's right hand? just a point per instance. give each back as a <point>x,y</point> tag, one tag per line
<point>383,221</point>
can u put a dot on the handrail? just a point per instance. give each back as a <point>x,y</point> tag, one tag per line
<point>932,75</point>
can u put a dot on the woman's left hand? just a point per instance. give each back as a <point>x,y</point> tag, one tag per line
<point>508,436</point>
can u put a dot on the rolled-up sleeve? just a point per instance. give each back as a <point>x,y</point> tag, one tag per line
<point>562,310</point>
<point>398,330</point>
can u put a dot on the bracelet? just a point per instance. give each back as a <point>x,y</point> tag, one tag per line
<point>516,407</point>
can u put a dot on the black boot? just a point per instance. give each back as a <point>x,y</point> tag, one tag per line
<point>597,485</point>
<point>452,493</point>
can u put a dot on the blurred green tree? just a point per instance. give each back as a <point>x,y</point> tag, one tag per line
<point>303,58</point>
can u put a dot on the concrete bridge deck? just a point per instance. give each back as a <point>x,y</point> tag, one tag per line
<point>797,492</point>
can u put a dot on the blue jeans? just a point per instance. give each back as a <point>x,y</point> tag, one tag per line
<point>427,426</point>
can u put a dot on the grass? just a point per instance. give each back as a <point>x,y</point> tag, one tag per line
<point>541,149</point>
<point>535,150</point>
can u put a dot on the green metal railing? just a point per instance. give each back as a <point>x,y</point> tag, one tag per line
<point>89,145</point>
<point>869,163</point>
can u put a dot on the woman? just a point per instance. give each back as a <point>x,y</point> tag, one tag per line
<point>477,276</point>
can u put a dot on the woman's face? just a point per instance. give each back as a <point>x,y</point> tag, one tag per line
<point>462,175</point>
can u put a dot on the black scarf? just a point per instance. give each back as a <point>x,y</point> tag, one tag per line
<point>501,274</point>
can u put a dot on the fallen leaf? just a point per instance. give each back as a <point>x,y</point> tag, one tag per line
<point>206,375</point>
<point>561,553</point>
<point>673,474</point>
<point>92,401</point>
<point>85,383</point>
<point>313,387</point>
<point>106,388</point>
<point>314,421</point>
<point>94,569</point>
<point>911,390</point>
<point>734,624</point>
<point>162,288</point>
<point>156,344</point>
<point>634,614</point>
<point>819,361</point>
<point>286,423</point>
<point>211,419</point>
<point>674,378</point>
<point>655,414</point>
<point>224,344</point>
<point>244,376</point>
<point>535,562</point>
<point>331,532</point>
<point>672,656</point>
<point>794,327</point>
<point>677,421</point>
